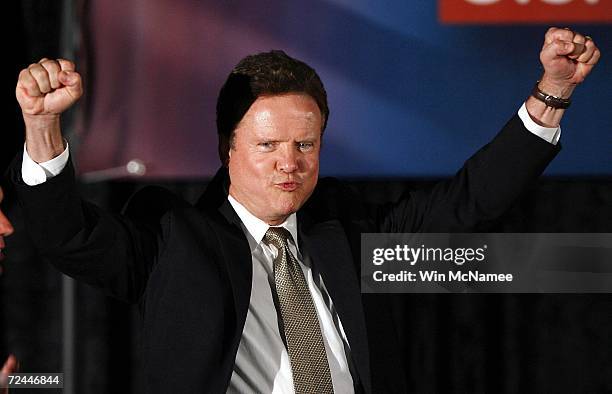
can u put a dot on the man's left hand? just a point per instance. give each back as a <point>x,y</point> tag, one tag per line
<point>567,57</point>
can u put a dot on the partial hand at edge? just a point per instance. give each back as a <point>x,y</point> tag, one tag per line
<point>10,366</point>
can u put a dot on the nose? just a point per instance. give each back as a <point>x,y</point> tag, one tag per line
<point>6,228</point>
<point>288,160</point>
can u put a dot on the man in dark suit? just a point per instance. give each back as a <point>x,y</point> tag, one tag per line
<point>6,229</point>
<point>255,289</point>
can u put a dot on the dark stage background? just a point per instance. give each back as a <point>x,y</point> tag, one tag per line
<point>531,343</point>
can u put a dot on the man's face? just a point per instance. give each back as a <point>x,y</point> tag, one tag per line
<point>274,162</point>
<point>6,228</point>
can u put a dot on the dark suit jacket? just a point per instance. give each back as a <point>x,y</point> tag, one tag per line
<point>189,267</point>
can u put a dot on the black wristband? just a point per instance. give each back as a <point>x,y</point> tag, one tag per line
<point>550,100</point>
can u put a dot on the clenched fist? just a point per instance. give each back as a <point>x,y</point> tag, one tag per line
<point>45,90</point>
<point>48,87</point>
<point>568,57</point>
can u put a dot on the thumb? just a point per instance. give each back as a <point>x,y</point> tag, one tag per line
<point>563,48</point>
<point>568,48</point>
<point>72,81</point>
<point>555,50</point>
<point>67,78</point>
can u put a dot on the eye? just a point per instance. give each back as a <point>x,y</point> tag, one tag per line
<point>306,146</point>
<point>265,146</point>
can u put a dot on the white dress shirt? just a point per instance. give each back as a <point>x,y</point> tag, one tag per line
<point>262,362</point>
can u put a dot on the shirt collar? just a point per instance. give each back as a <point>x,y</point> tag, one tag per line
<point>256,227</point>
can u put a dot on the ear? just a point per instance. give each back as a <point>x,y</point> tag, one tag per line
<point>228,156</point>
<point>224,152</point>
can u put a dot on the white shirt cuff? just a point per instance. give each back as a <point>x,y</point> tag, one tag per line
<point>34,173</point>
<point>549,134</point>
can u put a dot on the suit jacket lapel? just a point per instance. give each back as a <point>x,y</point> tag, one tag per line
<point>237,254</point>
<point>329,250</point>
<point>233,244</point>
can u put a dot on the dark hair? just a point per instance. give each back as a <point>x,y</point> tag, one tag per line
<point>267,73</point>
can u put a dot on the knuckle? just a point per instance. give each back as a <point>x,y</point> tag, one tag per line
<point>30,85</point>
<point>27,83</point>
<point>50,64</point>
<point>36,71</point>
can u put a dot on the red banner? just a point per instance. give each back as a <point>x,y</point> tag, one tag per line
<point>524,11</point>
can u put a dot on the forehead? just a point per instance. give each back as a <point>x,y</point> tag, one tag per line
<point>291,111</point>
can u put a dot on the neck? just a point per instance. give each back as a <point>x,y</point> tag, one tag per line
<point>275,222</point>
<point>271,221</point>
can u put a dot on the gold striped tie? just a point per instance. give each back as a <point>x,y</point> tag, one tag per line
<point>302,331</point>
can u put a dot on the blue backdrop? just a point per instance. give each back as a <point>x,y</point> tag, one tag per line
<point>408,96</point>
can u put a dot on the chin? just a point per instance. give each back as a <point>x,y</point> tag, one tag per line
<point>286,211</point>
<point>289,208</point>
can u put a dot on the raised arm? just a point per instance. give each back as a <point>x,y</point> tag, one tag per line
<point>567,57</point>
<point>492,179</point>
<point>44,91</point>
<point>109,251</point>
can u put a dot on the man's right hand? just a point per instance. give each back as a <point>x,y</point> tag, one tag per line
<point>45,90</point>
<point>48,87</point>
